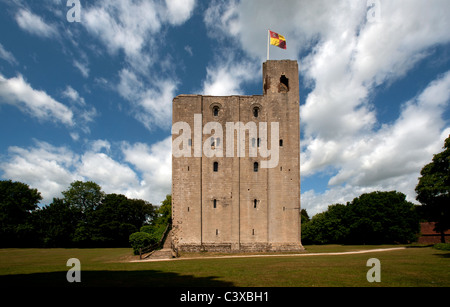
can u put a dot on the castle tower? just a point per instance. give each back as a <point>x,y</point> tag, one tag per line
<point>236,167</point>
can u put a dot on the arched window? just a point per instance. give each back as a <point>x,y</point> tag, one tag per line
<point>255,166</point>
<point>255,111</point>
<point>216,111</point>
<point>216,166</point>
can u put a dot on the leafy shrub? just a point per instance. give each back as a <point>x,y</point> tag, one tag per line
<point>140,240</point>
<point>155,231</point>
<point>442,246</point>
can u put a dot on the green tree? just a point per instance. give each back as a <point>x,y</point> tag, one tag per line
<point>17,202</point>
<point>327,227</point>
<point>372,218</point>
<point>165,211</point>
<point>56,223</point>
<point>85,196</point>
<point>163,217</point>
<point>304,216</point>
<point>433,189</point>
<point>117,217</point>
<point>139,240</point>
<point>381,217</point>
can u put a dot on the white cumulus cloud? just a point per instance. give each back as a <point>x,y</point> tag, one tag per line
<point>16,91</point>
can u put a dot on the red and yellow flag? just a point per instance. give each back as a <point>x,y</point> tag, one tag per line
<point>277,40</point>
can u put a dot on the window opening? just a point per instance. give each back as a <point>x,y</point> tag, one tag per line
<point>216,111</point>
<point>255,202</point>
<point>284,84</point>
<point>281,142</point>
<point>216,166</point>
<point>255,111</point>
<point>215,203</point>
<point>255,166</point>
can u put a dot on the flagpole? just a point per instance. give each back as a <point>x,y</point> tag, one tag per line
<point>268,43</point>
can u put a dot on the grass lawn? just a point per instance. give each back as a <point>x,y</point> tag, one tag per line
<point>410,267</point>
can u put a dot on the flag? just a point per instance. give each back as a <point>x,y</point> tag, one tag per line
<point>277,40</point>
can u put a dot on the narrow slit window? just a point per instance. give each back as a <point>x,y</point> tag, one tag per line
<point>281,142</point>
<point>216,111</point>
<point>253,232</point>
<point>255,166</point>
<point>215,203</point>
<point>255,202</point>
<point>190,142</point>
<point>258,142</point>
<point>255,112</point>
<point>216,166</point>
<point>217,232</point>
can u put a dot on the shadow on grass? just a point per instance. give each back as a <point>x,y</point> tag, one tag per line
<point>146,278</point>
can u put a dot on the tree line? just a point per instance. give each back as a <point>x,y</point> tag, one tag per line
<point>84,217</point>
<point>372,218</point>
<point>386,217</point>
<point>87,217</point>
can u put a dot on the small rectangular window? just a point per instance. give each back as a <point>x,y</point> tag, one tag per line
<point>281,143</point>
<point>215,203</point>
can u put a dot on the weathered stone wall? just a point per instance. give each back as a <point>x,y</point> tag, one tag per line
<point>236,208</point>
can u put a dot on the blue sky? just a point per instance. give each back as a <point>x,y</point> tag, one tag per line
<point>91,100</point>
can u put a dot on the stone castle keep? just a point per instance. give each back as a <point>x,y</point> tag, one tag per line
<point>225,198</point>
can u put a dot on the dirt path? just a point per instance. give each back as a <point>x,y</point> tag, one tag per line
<point>279,255</point>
